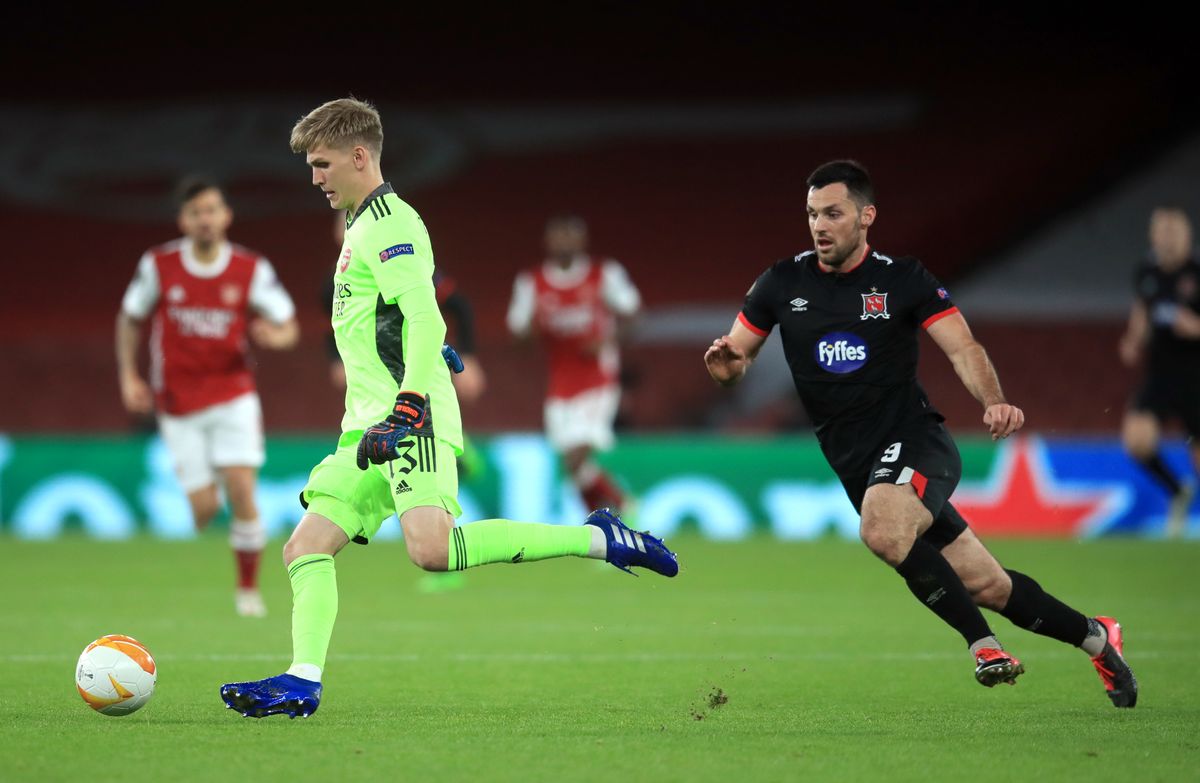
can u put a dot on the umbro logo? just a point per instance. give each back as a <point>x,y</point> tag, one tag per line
<point>799,305</point>
<point>883,472</point>
<point>403,487</point>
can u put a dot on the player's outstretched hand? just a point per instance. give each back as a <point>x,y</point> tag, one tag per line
<point>726,362</point>
<point>1003,419</point>
<point>1129,349</point>
<point>273,336</point>
<point>471,382</point>
<point>378,443</point>
<point>1186,324</point>
<point>136,395</point>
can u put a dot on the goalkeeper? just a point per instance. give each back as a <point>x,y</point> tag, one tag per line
<point>401,431</point>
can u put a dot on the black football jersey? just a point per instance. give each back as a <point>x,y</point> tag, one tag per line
<point>1163,293</point>
<point>850,340</point>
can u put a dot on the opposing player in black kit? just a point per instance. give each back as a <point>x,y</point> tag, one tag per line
<point>848,316</point>
<point>1164,323</point>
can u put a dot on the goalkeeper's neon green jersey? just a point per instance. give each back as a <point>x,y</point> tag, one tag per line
<point>386,265</point>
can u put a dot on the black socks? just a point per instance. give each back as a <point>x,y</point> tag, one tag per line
<point>1033,609</point>
<point>934,583</point>
<point>1161,473</point>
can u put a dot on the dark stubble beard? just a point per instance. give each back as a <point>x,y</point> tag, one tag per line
<point>838,261</point>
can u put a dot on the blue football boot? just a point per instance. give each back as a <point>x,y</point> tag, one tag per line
<point>284,694</point>
<point>628,547</point>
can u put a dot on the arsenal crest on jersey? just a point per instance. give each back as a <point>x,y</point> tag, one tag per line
<point>874,305</point>
<point>230,294</point>
<point>344,261</point>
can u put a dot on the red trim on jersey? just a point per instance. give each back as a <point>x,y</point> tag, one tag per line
<point>918,483</point>
<point>746,323</point>
<point>937,317</point>
<point>830,270</point>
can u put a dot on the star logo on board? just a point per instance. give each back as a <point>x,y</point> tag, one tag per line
<point>1022,497</point>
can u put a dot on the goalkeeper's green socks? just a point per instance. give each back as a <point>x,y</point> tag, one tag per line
<point>505,541</point>
<point>314,609</point>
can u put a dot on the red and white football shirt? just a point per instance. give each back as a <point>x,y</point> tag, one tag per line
<point>574,310</point>
<point>198,344</point>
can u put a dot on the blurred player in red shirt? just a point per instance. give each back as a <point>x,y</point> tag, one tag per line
<point>206,296</point>
<point>575,302</point>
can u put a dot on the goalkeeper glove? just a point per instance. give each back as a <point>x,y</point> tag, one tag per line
<point>378,443</point>
<point>452,359</point>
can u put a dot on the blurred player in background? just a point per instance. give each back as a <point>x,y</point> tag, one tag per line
<point>848,317</point>
<point>577,303</point>
<point>205,296</point>
<point>1164,323</point>
<point>469,382</point>
<point>402,430</point>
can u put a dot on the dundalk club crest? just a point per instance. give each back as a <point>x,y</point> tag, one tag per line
<point>874,305</point>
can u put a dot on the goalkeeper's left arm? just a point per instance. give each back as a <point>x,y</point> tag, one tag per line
<point>423,343</point>
<point>423,356</point>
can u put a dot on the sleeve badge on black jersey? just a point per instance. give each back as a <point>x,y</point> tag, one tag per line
<point>874,305</point>
<point>393,251</point>
<point>943,293</point>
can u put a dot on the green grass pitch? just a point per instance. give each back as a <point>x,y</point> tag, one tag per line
<point>761,661</point>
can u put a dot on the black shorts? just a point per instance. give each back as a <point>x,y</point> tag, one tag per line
<point>1171,397</point>
<point>921,453</point>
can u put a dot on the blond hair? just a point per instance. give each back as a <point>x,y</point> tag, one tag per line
<point>345,122</point>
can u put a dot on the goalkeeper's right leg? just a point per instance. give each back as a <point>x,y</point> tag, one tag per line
<point>309,557</point>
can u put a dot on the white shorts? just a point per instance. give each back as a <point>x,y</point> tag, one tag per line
<point>583,420</point>
<point>228,434</point>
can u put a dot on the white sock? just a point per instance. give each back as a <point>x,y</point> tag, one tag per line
<point>305,671</point>
<point>599,548</point>
<point>247,535</point>
<point>987,641</point>
<point>1093,643</point>
<point>587,474</point>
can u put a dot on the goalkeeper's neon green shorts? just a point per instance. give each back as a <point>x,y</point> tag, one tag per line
<point>358,501</point>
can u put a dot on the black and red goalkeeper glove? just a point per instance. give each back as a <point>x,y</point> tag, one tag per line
<point>378,444</point>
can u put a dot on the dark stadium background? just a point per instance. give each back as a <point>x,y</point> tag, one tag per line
<point>983,126</point>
